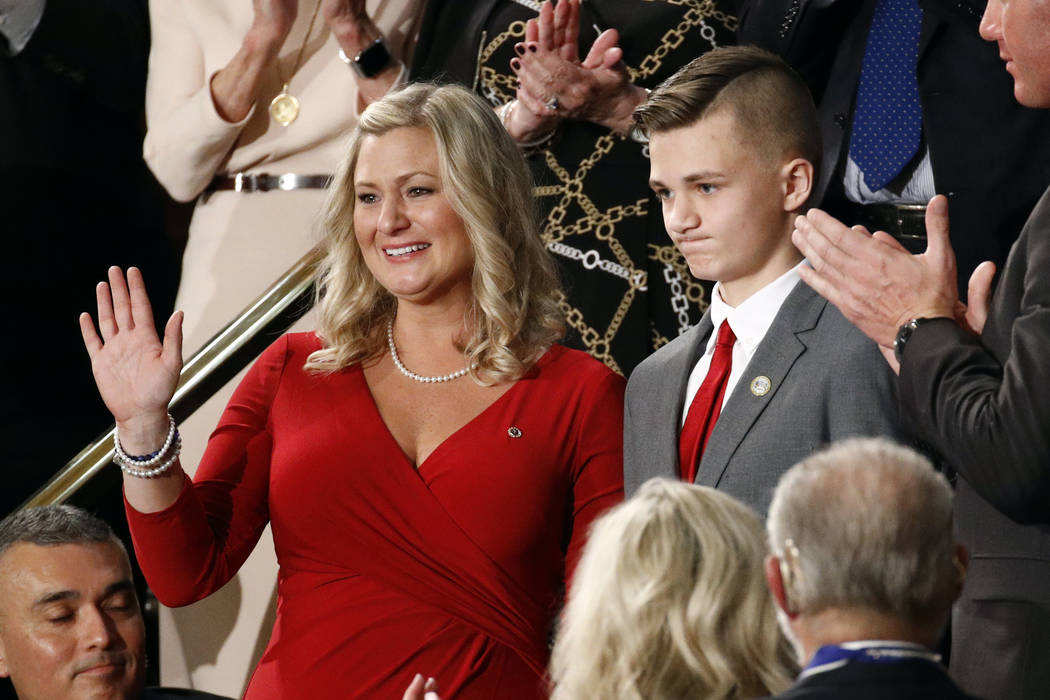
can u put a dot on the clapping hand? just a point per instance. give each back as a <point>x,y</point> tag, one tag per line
<point>135,371</point>
<point>355,31</point>
<point>878,285</point>
<point>974,313</point>
<point>274,19</point>
<point>349,18</point>
<point>553,82</point>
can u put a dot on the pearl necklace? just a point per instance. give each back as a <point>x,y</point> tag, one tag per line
<point>409,373</point>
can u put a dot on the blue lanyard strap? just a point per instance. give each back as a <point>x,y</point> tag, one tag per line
<point>832,656</point>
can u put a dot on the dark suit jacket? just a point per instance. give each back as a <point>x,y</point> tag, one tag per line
<point>909,680</point>
<point>981,403</point>
<point>828,382</point>
<point>990,156</point>
<point>178,694</point>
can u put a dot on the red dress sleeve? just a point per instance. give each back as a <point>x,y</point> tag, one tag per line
<point>193,547</point>
<point>597,476</point>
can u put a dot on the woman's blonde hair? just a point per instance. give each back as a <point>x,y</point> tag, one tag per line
<point>669,601</point>
<point>514,314</point>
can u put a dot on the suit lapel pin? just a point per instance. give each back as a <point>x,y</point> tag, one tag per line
<point>761,385</point>
<point>514,432</point>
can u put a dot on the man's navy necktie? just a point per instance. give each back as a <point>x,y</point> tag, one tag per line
<point>887,120</point>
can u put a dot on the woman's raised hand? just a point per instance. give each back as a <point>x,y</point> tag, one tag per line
<point>135,372</point>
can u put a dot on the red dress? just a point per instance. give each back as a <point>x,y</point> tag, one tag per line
<point>454,569</point>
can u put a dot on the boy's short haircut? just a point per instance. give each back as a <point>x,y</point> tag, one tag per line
<point>769,101</point>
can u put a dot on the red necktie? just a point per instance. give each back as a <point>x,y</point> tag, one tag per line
<point>706,405</point>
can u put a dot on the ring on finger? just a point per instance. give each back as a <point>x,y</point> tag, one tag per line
<point>552,104</point>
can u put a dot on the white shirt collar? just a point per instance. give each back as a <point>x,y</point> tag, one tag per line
<point>750,321</point>
<point>752,318</point>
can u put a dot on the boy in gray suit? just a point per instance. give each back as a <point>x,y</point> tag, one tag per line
<point>772,372</point>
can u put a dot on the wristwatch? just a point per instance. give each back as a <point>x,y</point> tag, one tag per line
<point>904,333</point>
<point>370,62</point>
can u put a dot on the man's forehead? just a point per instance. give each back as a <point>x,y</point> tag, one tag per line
<point>33,572</point>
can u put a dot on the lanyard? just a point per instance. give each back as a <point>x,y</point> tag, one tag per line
<point>832,656</point>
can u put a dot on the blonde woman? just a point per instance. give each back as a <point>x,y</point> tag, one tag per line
<point>429,460</point>
<point>669,602</point>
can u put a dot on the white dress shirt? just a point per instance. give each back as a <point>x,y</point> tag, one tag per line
<point>749,322</point>
<point>917,190</point>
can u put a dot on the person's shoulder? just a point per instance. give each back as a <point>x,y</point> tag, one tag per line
<point>571,381</point>
<point>846,337</point>
<point>832,323</point>
<point>832,328</point>
<point>307,342</point>
<point>562,362</point>
<point>576,383</point>
<point>849,356</point>
<point>291,350</point>
<point>176,693</point>
<point>809,691</point>
<point>656,361</point>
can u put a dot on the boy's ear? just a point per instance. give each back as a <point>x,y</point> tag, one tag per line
<point>798,183</point>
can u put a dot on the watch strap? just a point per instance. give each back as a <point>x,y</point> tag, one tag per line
<point>372,60</point>
<point>904,334</point>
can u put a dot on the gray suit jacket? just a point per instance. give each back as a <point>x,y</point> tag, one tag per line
<point>827,381</point>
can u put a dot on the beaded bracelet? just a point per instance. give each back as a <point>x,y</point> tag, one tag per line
<point>130,470</point>
<point>505,114</point>
<point>138,465</point>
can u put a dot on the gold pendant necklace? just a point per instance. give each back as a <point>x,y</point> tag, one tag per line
<point>285,107</point>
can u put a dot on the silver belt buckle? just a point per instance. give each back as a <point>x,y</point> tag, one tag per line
<point>250,182</point>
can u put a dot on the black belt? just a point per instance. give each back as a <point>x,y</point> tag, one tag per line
<point>264,182</point>
<point>905,222</point>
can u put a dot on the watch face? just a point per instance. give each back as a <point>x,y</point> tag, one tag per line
<point>373,59</point>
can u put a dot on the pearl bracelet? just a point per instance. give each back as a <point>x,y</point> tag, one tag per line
<point>164,466</point>
<point>138,465</point>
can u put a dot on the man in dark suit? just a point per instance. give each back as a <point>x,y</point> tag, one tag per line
<point>864,568</point>
<point>972,385</point>
<point>973,143</point>
<point>732,139</point>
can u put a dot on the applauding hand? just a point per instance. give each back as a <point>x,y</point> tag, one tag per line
<point>555,83</point>
<point>273,19</point>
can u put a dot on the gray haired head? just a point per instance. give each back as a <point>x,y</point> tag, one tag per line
<point>867,524</point>
<point>53,525</point>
